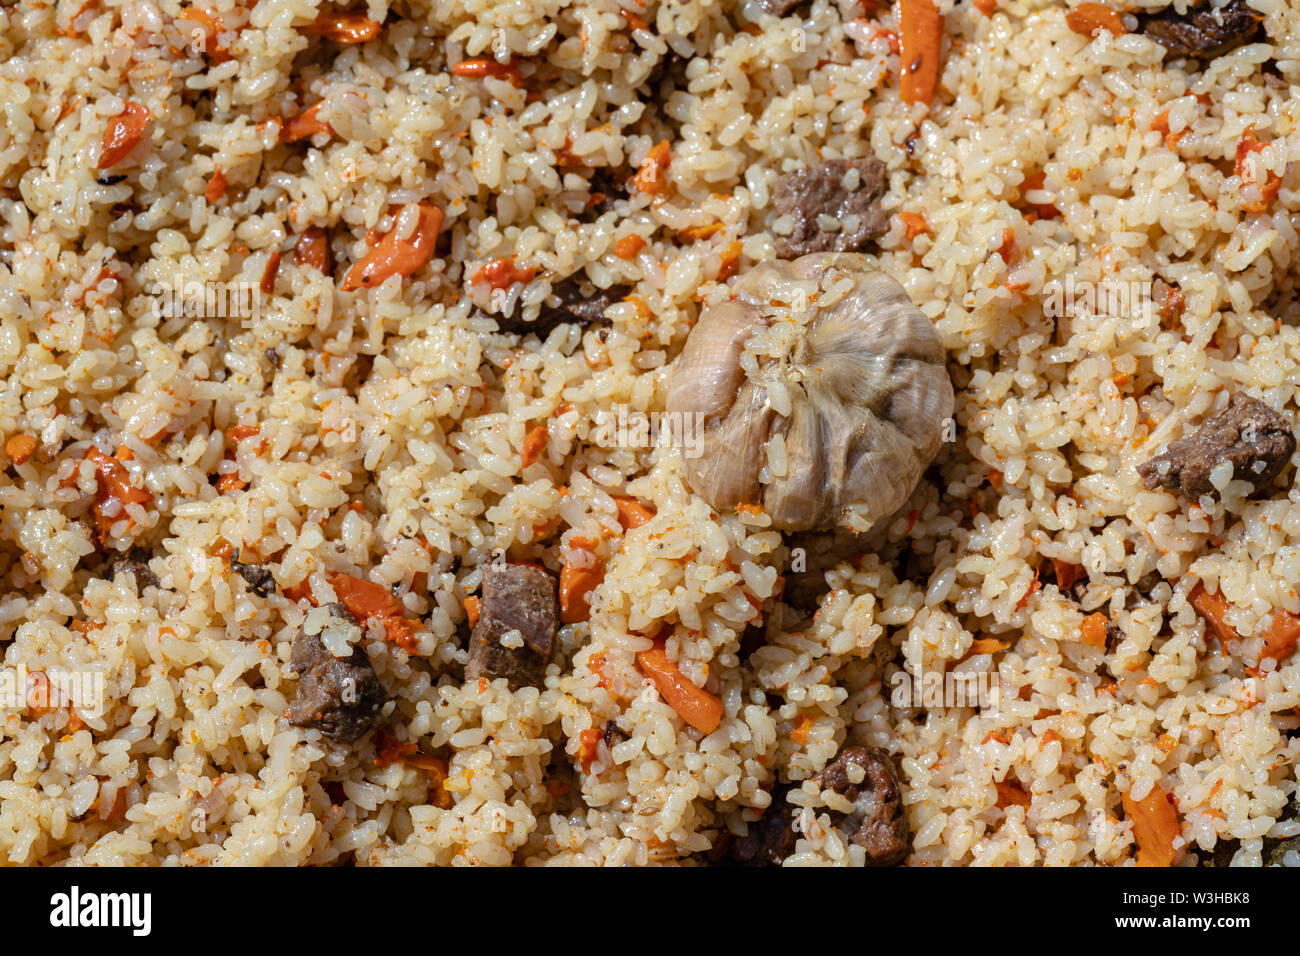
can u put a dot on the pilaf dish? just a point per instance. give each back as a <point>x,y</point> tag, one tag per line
<point>622,432</point>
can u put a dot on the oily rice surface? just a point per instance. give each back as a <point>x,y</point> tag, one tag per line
<point>380,432</point>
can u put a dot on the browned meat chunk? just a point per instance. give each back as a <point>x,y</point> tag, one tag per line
<point>136,562</point>
<point>1254,438</point>
<point>877,823</point>
<point>572,300</point>
<point>516,626</point>
<point>1203,32</point>
<point>835,207</point>
<point>767,842</point>
<point>259,579</point>
<point>339,696</point>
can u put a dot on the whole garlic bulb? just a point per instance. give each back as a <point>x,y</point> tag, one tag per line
<point>822,390</point>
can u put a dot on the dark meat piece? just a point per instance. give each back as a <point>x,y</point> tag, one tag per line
<point>340,697</point>
<point>571,300</point>
<point>767,842</point>
<point>520,598</point>
<point>259,579</point>
<point>877,823</point>
<point>1257,440</point>
<point>135,562</point>
<point>1203,32</point>
<point>820,190</point>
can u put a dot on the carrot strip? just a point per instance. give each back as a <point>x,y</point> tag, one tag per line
<point>631,513</point>
<point>230,482</point>
<point>588,744</point>
<point>1034,182</point>
<point>576,585</point>
<point>124,131</point>
<point>503,273</point>
<point>534,442</point>
<point>596,663</point>
<point>305,124</point>
<point>216,186</point>
<point>1279,640</point>
<point>485,66</point>
<point>397,256</point>
<point>629,246</point>
<point>389,750</point>
<point>695,705</point>
<point>914,223</point>
<point>473,606</point>
<point>1094,630</point>
<point>1269,188</point>
<point>205,35</point>
<point>695,233</point>
<point>730,262</point>
<point>922,34</point>
<point>312,250</point>
<point>1155,826</point>
<point>365,600</point>
<point>1088,18</point>
<point>113,483</point>
<point>350,27</point>
<point>1066,574</point>
<point>801,729</point>
<point>652,175</point>
<point>20,447</point>
<point>1212,607</point>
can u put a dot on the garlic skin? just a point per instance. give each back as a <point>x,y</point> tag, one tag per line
<point>829,354</point>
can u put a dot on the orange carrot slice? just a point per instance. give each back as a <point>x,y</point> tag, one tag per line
<point>1155,826</point>
<point>305,124</point>
<point>576,585</point>
<point>350,27</point>
<point>1212,607</point>
<point>631,513</point>
<point>652,176</point>
<point>1093,631</point>
<point>394,255</point>
<point>20,447</point>
<point>1088,18</point>
<point>921,29</point>
<point>124,131</point>
<point>695,705</point>
<point>629,246</point>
